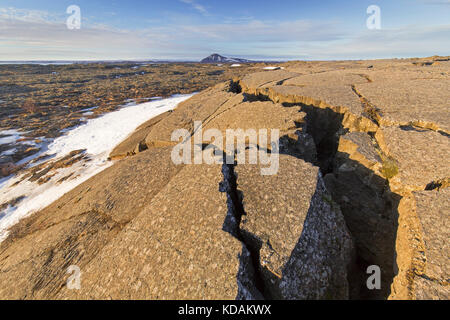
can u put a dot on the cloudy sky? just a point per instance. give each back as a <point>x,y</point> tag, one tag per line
<point>193,29</point>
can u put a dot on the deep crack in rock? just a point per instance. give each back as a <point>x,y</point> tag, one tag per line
<point>250,283</point>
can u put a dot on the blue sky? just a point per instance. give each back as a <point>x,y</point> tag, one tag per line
<point>193,29</point>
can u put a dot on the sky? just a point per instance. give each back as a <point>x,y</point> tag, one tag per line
<point>194,29</point>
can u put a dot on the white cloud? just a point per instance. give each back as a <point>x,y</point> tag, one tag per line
<point>27,15</point>
<point>38,35</point>
<point>273,31</point>
<point>196,6</point>
<point>387,43</point>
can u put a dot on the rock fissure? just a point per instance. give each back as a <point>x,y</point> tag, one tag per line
<point>368,204</point>
<point>361,182</point>
<point>370,110</point>
<point>250,282</point>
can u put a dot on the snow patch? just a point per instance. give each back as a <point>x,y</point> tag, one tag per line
<point>9,136</point>
<point>273,68</point>
<point>98,137</point>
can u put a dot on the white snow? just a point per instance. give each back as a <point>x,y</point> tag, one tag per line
<point>235,65</point>
<point>273,68</point>
<point>8,152</point>
<point>98,136</point>
<point>89,109</point>
<point>9,136</point>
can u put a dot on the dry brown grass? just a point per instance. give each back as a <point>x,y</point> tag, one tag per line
<point>29,106</point>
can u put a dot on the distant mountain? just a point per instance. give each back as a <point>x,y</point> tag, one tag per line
<point>217,58</point>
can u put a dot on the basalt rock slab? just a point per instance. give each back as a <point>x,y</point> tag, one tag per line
<point>340,99</point>
<point>147,229</point>
<point>199,108</point>
<point>265,78</point>
<point>420,102</point>
<point>330,78</point>
<point>303,245</point>
<point>258,115</point>
<point>135,143</point>
<point>72,230</point>
<point>420,154</point>
<point>174,249</point>
<point>433,210</point>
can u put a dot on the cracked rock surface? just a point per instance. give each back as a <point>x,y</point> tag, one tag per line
<point>303,242</point>
<point>363,180</point>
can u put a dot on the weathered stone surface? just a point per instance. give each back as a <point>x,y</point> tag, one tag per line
<point>145,228</point>
<point>258,115</point>
<point>304,246</point>
<point>422,156</point>
<point>357,152</point>
<point>433,209</point>
<point>339,98</point>
<point>360,147</point>
<point>320,262</point>
<point>73,229</point>
<point>421,102</point>
<point>331,78</point>
<point>397,73</point>
<point>266,78</point>
<point>198,108</point>
<point>174,249</point>
<point>358,185</point>
<point>267,116</point>
<point>135,143</point>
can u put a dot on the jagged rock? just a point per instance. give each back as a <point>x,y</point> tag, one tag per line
<point>360,147</point>
<point>369,208</point>
<point>358,152</point>
<point>370,180</point>
<point>299,232</point>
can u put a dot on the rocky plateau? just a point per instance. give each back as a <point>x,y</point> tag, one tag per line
<point>363,180</point>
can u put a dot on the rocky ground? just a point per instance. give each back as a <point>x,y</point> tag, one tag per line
<point>42,101</point>
<point>363,180</point>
